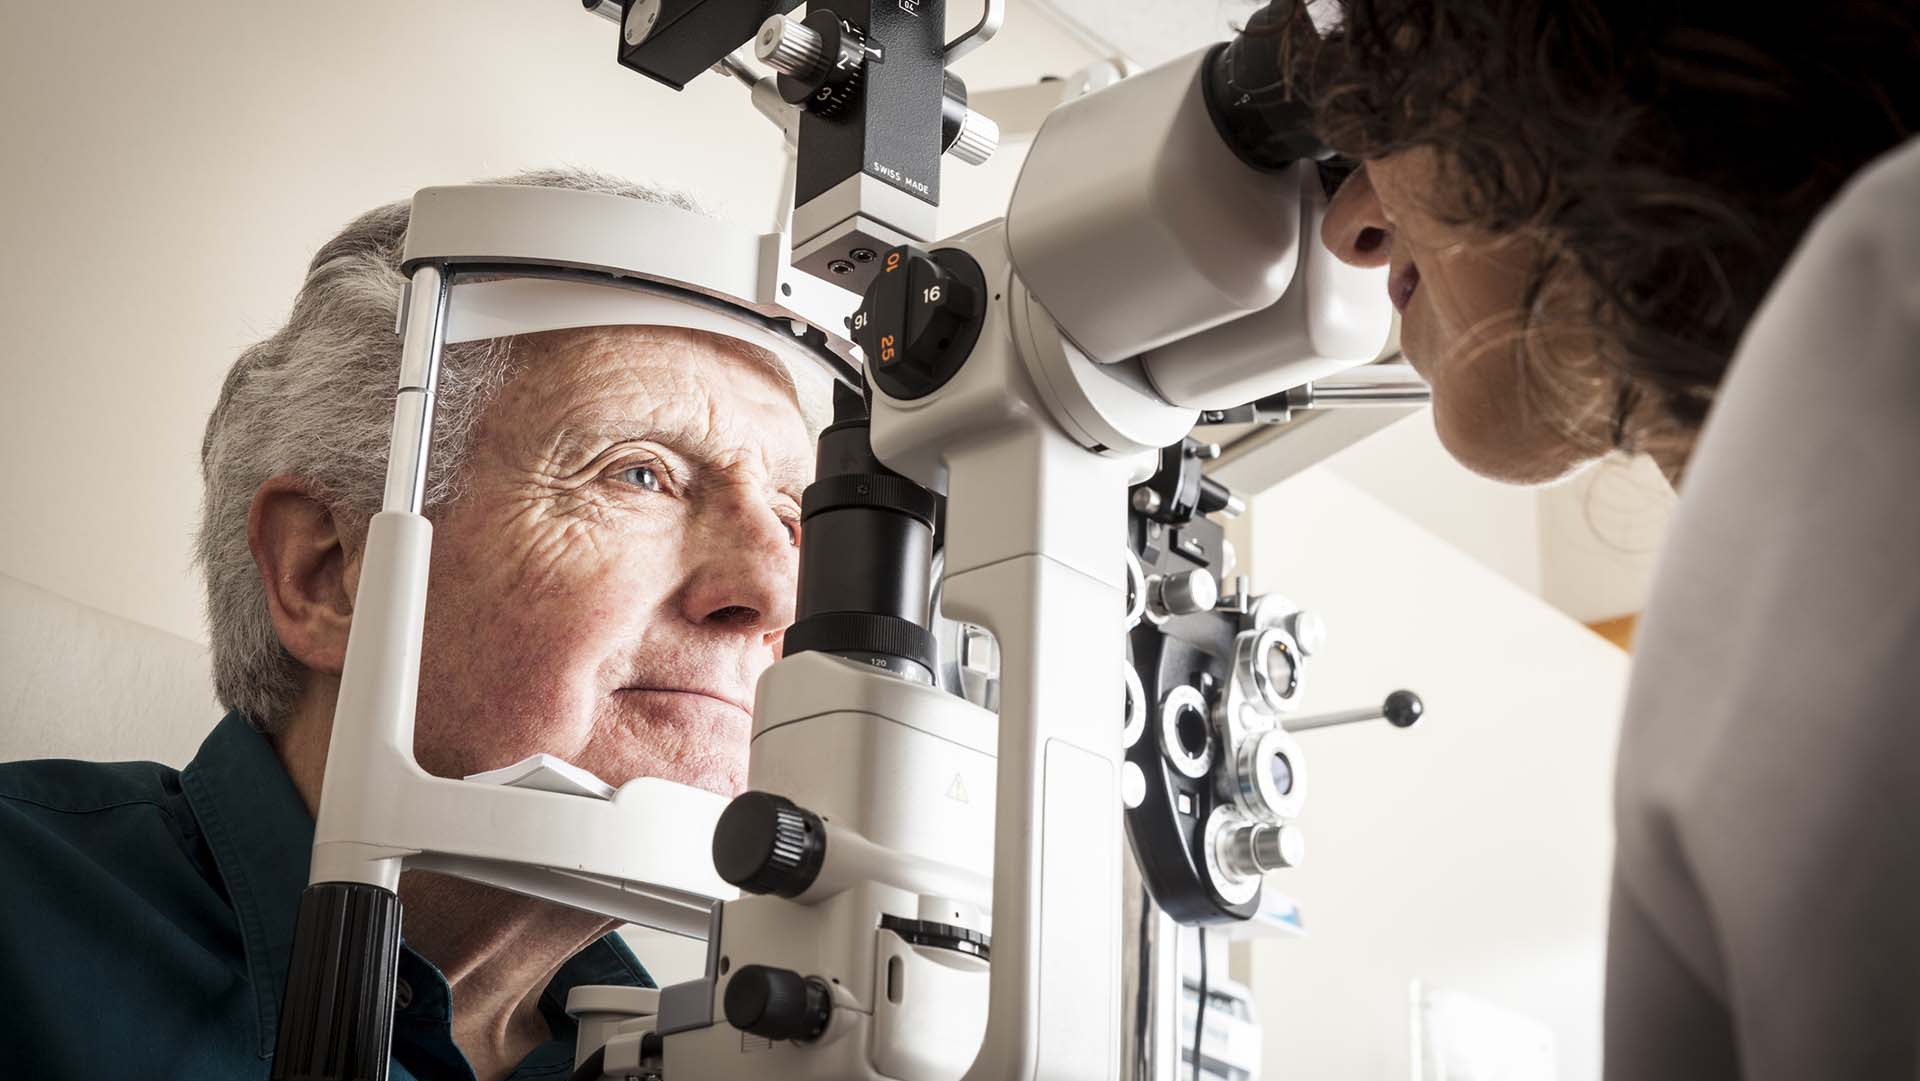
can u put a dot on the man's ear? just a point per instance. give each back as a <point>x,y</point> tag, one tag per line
<point>309,569</point>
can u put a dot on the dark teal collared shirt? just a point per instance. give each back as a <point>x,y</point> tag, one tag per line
<point>146,916</point>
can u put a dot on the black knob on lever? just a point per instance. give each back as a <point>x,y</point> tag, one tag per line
<point>1402,709</point>
<point>777,1003</point>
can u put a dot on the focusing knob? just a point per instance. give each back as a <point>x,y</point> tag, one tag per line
<point>777,1004</point>
<point>764,843</point>
<point>820,62</point>
<point>920,319</point>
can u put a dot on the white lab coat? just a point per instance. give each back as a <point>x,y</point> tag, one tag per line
<point>1766,911</point>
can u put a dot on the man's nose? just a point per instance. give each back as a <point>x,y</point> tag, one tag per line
<point>747,567</point>
<point>1356,229</point>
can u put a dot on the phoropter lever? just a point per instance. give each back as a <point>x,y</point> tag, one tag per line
<point>1402,709</point>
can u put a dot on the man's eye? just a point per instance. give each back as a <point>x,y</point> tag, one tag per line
<point>643,476</point>
<point>793,530</point>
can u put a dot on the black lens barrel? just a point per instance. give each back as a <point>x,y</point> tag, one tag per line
<point>1256,108</point>
<point>866,554</point>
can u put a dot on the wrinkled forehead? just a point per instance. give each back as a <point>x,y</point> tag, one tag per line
<point>585,387</point>
<point>652,369</point>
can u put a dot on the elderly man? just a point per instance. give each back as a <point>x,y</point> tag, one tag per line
<point>616,511</point>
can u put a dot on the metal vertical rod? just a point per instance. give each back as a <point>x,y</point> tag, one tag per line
<point>1149,985</point>
<point>423,338</point>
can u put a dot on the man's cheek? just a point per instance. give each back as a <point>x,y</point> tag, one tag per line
<point>527,683</point>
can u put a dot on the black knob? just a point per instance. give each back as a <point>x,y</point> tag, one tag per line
<point>920,319</point>
<point>777,1004</point>
<point>764,843</point>
<point>1403,709</point>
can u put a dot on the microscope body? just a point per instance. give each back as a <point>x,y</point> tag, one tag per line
<point>1002,847</point>
<point>1021,373</point>
<point>981,395</point>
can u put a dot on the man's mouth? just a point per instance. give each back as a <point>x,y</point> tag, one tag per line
<point>1401,285</point>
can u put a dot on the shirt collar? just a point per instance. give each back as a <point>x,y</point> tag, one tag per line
<point>261,837</point>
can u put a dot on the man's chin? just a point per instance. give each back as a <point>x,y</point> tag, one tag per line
<point>719,774</point>
<point>688,739</point>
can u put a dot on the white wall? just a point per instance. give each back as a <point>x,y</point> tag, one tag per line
<point>1406,467</point>
<point>1588,546</point>
<point>170,168</point>
<point>1600,539</point>
<point>1471,852</point>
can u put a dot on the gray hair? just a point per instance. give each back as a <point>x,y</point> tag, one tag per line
<point>315,401</point>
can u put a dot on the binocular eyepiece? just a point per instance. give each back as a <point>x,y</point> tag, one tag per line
<point>1262,111</point>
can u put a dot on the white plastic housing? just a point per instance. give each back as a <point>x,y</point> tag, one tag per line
<point>1333,317</point>
<point>904,776</point>
<point>1135,225</point>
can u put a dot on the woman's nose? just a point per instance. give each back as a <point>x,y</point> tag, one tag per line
<point>1356,229</point>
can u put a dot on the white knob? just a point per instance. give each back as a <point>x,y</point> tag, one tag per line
<point>979,137</point>
<point>1278,847</point>
<point>1309,632</point>
<point>1182,594</point>
<point>1256,849</point>
<point>1133,785</point>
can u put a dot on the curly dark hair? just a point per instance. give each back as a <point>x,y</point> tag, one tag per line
<point>1671,152</point>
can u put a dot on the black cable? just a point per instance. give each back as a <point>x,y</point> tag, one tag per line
<point>593,1066</point>
<point>1200,1005</point>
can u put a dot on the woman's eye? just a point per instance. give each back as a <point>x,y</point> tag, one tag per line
<point>643,476</point>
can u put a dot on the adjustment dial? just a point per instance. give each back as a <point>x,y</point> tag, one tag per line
<point>920,319</point>
<point>765,843</point>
